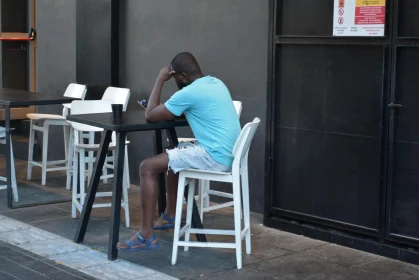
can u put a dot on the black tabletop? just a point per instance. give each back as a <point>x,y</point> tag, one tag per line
<point>14,97</point>
<point>130,121</point>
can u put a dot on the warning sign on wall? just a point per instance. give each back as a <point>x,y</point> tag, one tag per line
<point>359,18</point>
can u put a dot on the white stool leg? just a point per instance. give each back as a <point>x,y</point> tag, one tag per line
<point>66,133</point>
<point>206,195</point>
<point>126,169</point>
<point>12,162</point>
<point>91,155</point>
<point>82,171</point>
<point>70,155</point>
<point>237,218</point>
<point>30,153</point>
<point>201,195</point>
<point>179,205</point>
<point>246,208</point>
<point>191,192</point>
<point>126,207</point>
<point>75,173</point>
<point>65,130</point>
<point>45,153</point>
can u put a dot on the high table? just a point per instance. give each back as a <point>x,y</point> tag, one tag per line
<point>129,122</point>
<point>17,98</point>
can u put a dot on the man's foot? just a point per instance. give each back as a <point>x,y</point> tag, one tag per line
<point>164,222</point>
<point>138,243</point>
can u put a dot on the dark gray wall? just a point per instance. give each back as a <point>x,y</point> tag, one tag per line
<point>55,57</point>
<point>229,39</point>
<point>94,46</point>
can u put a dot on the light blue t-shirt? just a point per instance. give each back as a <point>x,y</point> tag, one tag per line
<point>210,112</point>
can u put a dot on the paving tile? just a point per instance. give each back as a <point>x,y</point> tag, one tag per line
<point>81,259</point>
<point>8,252</point>
<point>38,277</point>
<point>190,264</point>
<point>62,275</point>
<point>299,266</point>
<point>118,270</point>
<point>21,259</point>
<point>391,268</point>
<point>158,276</point>
<point>41,267</point>
<point>33,214</point>
<point>48,248</point>
<point>5,276</point>
<point>66,227</point>
<point>12,226</point>
<point>26,236</point>
<point>344,256</point>
<point>281,243</point>
<point>17,270</point>
<point>355,274</point>
<point>242,274</point>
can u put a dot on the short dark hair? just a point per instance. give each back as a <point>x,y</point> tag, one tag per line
<point>185,62</point>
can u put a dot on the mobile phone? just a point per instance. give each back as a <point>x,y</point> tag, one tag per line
<point>143,103</point>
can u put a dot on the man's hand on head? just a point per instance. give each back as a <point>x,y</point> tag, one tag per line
<point>165,74</point>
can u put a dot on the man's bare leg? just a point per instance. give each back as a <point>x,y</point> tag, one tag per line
<point>172,182</point>
<point>150,169</point>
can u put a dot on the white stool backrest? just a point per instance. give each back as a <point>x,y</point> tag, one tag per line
<point>241,148</point>
<point>89,107</point>
<point>75,91</point>
<point>238,107</point>
<point>118,96</point>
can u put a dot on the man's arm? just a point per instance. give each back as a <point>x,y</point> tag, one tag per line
<point>155,111</point>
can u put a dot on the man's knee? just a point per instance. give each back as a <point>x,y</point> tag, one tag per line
<point>146,168</point>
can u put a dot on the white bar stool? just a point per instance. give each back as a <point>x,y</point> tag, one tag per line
<point>80,159</point>
<point>73,90</point>
<point>239,171</point>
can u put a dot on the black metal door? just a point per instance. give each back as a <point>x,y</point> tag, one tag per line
<point>329,118</point>
<point>403,178</point>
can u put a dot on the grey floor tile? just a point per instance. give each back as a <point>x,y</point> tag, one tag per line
<point>5,276</point>
<point>190,264</point>
<point>281,243</point>
<point>355,274</point>
<point>344,256</point>
<point>242,274</point>
<point>19,271</point>
<point>34,214</point>
<point>39,277</point>
<point>62,275</point>
<point>7,252</point>
<point>299,266</point>
<point>391,268</point>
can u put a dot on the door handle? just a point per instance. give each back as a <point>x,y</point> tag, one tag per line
<point>392,105</point>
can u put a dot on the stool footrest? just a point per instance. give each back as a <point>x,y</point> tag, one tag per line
<point>222,194</point>
<point>207,244</point>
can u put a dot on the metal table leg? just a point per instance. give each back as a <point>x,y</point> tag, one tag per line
<point>93,185</point>
<point>117,195</point>
<point>162,181</point>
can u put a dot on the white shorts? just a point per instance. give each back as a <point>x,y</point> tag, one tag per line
<point>190,155</point>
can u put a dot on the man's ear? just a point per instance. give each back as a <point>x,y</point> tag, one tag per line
<point>184,77</point>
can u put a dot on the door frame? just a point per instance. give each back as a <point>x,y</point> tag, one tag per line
<point>270,213</point>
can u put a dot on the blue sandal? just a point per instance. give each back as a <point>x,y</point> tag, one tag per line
<point>170,223</point>
<point>140,245</point>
